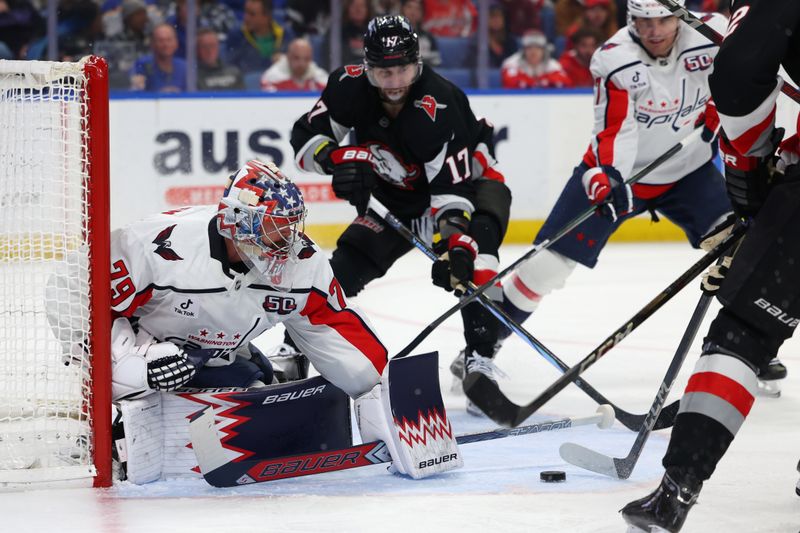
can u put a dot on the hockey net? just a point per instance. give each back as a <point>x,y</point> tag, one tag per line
<point>54,288</point>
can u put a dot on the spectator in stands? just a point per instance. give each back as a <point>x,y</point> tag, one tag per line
<point>414,11</point>
<point>20,24</point>
<point>212,73</point>
<point>81,25</point>
<point>532,67</point>
<point>524,15</point>
<point>260,40</point>
<point>308,17</point>
<point>386,7</point>
<point>450,18</point>
<point>598,14</point>
<point>356,16</point>
<point>575,62</point>
<point>501,43</point>
<point>296,71</point>
<point>122,49</point>
<point>161,71</point>
<point>211,14</point>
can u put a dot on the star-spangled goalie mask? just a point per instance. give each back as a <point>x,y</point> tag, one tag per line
<point>262,213</point>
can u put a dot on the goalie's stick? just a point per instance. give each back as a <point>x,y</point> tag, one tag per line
<point>712,35</point>
<point>220,470</point>
<point>621,468</point>
<point>629,420</point>
<point>487,396</point>
<point>571,225</point>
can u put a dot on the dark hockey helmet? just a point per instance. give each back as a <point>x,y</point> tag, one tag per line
<point>390,41</point>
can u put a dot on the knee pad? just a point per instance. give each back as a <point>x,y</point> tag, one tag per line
<point>537,277</point>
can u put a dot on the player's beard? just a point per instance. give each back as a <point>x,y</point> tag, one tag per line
<point>400,97</point>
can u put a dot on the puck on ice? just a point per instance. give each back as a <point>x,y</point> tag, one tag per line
<point>553,476</point>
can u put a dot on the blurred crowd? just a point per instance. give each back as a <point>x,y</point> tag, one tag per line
<point>285,45</point>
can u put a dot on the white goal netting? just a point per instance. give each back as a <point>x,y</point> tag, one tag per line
<point>45,405</point>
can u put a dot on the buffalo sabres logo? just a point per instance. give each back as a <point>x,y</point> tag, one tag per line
<point>429,104</point>
<point>391,168</point>
<point>352,71</point>
<point>163,245</point>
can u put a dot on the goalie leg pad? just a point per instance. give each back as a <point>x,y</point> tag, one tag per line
<point>537,277</point>
<point>411,418</point>
<point>143,445</point>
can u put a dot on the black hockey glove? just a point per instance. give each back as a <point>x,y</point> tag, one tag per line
<point>605,188</point>
<point>748,179</point>
<point>352,171</point>
<point>456,263</point>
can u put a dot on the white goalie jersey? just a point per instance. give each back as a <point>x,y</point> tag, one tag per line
<point>171,274</point>
<point>645,105</point>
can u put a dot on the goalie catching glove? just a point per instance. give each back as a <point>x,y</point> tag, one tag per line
<point>352,171</point>
<point>141,364</point>
<point>605,188</point>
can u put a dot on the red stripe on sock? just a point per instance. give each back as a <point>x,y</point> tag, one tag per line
<point>526,292</point>
<point>723,387</point>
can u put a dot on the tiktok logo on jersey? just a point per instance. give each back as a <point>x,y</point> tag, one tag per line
<point>183,309</point>
<point>282,305</point>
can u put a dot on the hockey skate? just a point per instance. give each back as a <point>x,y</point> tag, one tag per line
<point>769,380</point>
<point>472,362</point>
<point>665,509</point>
<point>457,369</point>
<point>288,363</point>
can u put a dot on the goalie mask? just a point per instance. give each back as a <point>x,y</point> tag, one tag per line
<point>262,213</point>
<point>391,56</point>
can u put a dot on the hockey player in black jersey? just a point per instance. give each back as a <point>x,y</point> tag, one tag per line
<point>419,149</point>
<point>761,291</point>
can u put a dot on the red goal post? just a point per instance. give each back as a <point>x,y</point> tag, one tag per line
<point>55,322</point>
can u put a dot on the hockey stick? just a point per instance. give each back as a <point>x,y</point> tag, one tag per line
<point>629,420</point>
<point>621,468</point>
<point>712,35</point>
<point>487,396</point>
<point>466,300</point>
<point>220,470</point>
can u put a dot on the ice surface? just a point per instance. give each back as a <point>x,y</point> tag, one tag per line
<point>499,488</point>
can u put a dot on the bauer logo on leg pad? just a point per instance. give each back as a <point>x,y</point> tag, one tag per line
<point>424,438</point>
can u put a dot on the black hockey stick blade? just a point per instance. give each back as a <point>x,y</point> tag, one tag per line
<point>622,467</point>
<point>629,420</point>
<point>222,470</point>
<point>485,393</point>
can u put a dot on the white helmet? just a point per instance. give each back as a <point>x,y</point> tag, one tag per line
<point>647,9</point>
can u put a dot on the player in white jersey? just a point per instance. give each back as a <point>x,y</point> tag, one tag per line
<point>200,283</point>
<point>650,92</point>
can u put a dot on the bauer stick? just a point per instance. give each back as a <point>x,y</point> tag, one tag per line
<point>629,420</point>
<point>466,300</point>
<point>489,398</point>
<point>712,35</point>
<point>220,469</point>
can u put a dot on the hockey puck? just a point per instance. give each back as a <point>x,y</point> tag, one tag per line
<point>553,476</point>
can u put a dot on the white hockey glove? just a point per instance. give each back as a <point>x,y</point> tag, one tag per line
<point>141,364</point>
